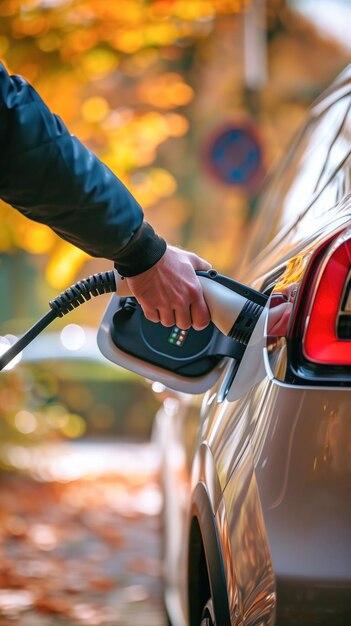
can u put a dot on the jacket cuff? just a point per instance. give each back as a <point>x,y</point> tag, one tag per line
<point>142,251</point>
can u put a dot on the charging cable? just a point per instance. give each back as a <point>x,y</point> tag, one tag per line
<point>73,297</point>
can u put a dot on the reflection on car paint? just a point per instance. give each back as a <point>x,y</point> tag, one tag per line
<point>252,565</point>
<point>234,598</point>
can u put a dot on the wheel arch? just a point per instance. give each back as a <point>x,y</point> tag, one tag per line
<point>206,573</point>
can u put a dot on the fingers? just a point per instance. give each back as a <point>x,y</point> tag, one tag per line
<point>197,316</point>
<point>166,316</point>
<point>152,315</point>
<point>171,293</point>
<point>200,314</point>
<point>183,318</point>
<point>198,263</point>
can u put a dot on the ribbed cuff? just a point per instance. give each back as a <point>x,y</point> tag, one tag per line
<point>143,251</point>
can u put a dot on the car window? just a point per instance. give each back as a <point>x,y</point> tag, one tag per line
<point>314,157</point>
<point>338,151</point>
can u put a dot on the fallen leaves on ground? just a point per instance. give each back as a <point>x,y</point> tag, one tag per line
<point>84,552</point>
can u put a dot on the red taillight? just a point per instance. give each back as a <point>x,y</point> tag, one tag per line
<point>327,336</point>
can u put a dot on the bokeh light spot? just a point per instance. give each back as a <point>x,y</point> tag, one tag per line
<point>75,426</point>
<point>98,62</point>
<point>72,337</point>
<point>25,422</point>
<point>95,109</point>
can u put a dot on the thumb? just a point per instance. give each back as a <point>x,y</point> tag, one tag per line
<point>198,263</point>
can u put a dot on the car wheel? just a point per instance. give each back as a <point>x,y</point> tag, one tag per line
<point>208,615</point>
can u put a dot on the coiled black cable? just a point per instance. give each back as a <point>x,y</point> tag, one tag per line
<point>81,292</point>
<point>73,297</point>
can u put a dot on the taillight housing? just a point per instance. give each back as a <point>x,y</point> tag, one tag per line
<point>327,332</point>
<point>309,321</point>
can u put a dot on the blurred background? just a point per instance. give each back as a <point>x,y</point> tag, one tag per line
<point>190,103</point>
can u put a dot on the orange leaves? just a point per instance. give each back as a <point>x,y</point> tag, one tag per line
<point>134,139</point>
<point>52,605</point>
<point>129,40</point>
<point>114,72</point>
<point>65,261</point>
<point>95,109</point>
<point>166,91</point>
<point>97,63</point>
<point>128,25</point>
<point>74,554</point>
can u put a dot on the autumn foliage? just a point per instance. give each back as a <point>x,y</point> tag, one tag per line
<point>144,83</point>
<point>113,72</point>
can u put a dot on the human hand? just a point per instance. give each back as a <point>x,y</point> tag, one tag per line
<point>170,292</point>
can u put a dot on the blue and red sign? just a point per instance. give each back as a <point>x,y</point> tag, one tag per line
<point>234,156</point>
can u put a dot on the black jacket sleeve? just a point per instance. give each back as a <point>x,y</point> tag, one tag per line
<point>50,177</point>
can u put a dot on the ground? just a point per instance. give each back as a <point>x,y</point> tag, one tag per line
<point>82,550</point>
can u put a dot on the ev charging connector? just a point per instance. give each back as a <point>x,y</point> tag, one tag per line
<point>185,360</point>
<point>188,361</point>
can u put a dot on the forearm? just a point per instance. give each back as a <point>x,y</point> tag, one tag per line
<point>52,178</point>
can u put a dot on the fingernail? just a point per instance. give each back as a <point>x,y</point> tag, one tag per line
<point>200,327</point>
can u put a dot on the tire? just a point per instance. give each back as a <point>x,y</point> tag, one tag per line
<point>208,618</point>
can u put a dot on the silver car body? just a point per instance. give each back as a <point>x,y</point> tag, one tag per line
<point>257,511</point>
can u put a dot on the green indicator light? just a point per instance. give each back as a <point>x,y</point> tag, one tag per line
<point>171,340</point>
